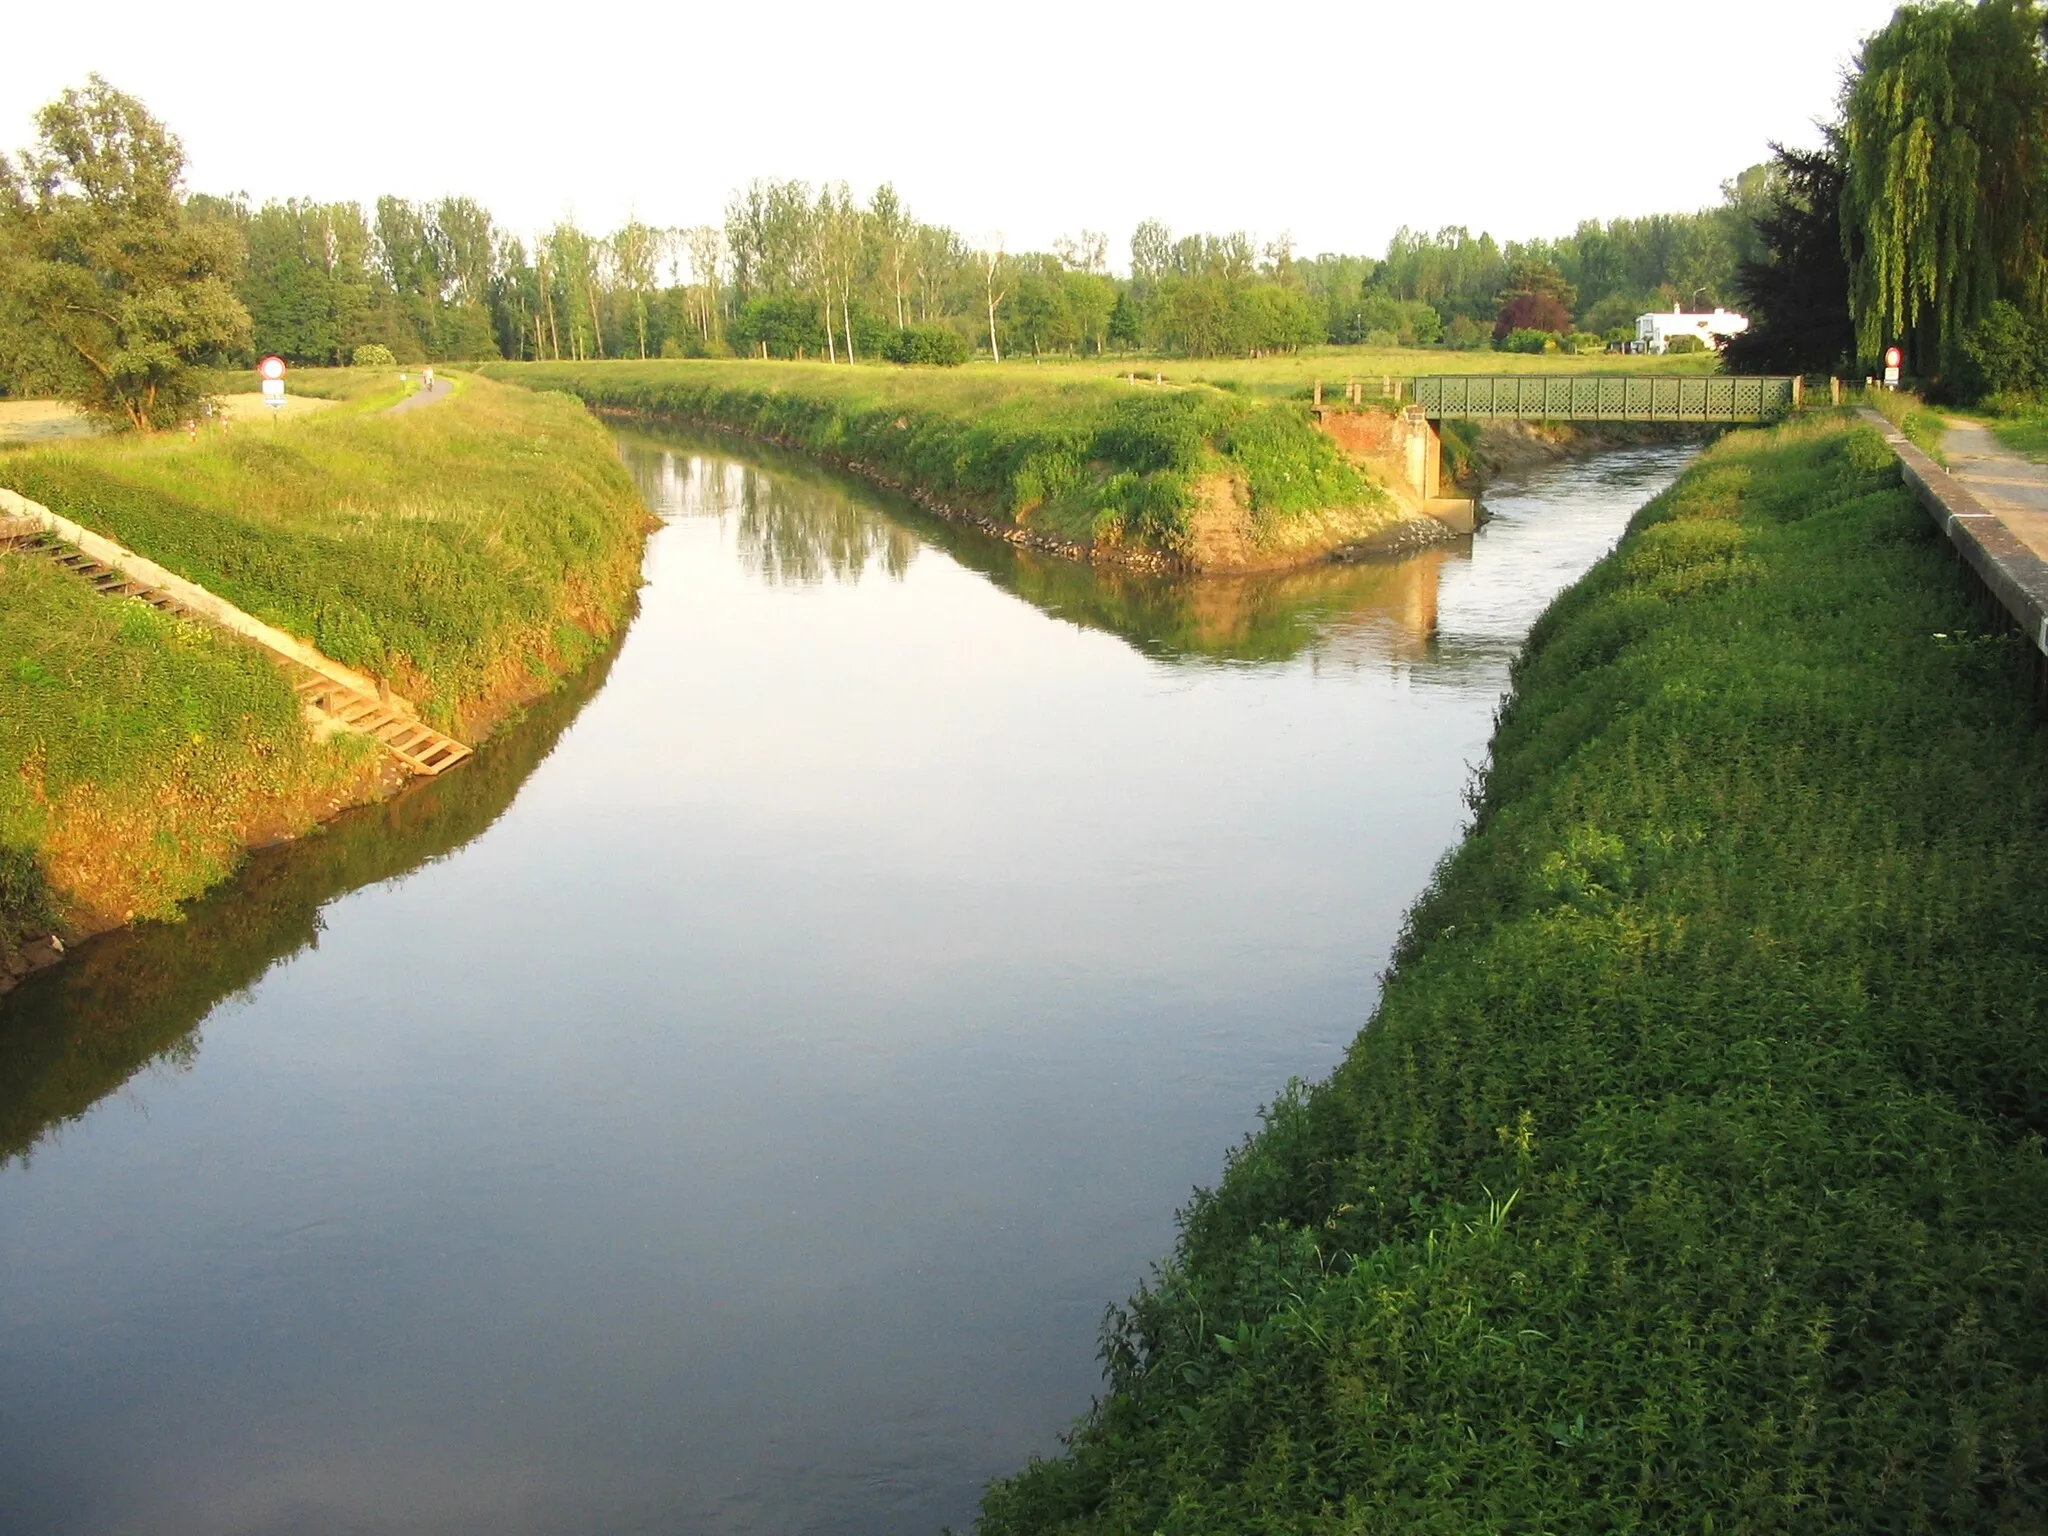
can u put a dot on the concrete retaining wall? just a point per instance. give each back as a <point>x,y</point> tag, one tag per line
<point>2014,576</point>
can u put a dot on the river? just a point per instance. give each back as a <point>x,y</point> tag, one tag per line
<point>729,1103</point>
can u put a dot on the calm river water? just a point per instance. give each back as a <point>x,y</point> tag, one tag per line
<point>729,1103</point>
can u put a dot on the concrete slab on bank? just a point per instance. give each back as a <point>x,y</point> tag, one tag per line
<point>2002,556</point>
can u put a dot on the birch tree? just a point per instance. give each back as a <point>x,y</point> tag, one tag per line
<point>995,281</point>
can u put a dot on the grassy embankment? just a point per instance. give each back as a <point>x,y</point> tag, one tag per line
<point>1689,1176</point>
<point>470,554</point>
<point>1187,475</point>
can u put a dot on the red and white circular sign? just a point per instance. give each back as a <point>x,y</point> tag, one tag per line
<point>271,367</point>
<point>1893,357</point>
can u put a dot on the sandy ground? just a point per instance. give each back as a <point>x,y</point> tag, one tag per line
<point>39,421</point>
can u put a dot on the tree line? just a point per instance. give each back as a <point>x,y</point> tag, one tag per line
<point>1918,222</point>
<point>97,210</point>
<point>1921,222</point>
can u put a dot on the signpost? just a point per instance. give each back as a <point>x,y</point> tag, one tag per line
<point>1892,358</point>
<point>272,369</point>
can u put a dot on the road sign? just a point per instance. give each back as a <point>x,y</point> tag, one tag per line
<point>271,368</point>
<point>273,393</point>
<point>1892,358</point>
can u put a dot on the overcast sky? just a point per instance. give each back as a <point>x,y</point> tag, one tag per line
<point>1336,123</point>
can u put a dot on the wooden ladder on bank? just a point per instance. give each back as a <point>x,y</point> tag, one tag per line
<point>418,745</point>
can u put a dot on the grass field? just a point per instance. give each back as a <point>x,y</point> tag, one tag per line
<point>471,554</point>
<point>1189,473</point>
<point>1293,375</point>
<point>2024,432</point>
<point>1689,1175</point>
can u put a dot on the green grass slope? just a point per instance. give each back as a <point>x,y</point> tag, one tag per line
<point>137,753</point>
<point>469,552</point>
<point>1083,460</point>
<point>1690,1176</point>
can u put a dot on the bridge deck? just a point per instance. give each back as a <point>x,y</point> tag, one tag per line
<point>1597,397</point>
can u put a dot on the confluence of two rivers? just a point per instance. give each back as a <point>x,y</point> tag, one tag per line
<point>730,1103</point>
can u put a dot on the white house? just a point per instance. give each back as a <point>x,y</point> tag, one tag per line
<point>1653,331</point>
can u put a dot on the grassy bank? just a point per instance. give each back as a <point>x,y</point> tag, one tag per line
<point>470,554</point>
<point>1190,475</point>
<point>1689,1176</point>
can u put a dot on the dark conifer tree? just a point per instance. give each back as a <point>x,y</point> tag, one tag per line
<point>1797,297</point>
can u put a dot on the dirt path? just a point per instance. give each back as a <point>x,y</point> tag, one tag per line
<point>2014,487</point>
<point>433,394</point>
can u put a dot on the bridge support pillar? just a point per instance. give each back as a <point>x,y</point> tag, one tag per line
<point>1425,453</point>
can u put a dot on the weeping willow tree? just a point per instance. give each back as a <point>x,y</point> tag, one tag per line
<point>1945,201</point>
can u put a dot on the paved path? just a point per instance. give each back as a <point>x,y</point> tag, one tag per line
<point>440,390</point>
<point>2007,483</point>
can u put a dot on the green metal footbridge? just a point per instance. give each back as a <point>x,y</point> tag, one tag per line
<point>1597,397</point>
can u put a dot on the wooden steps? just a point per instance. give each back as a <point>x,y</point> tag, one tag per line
<point>413,742</point>
<point>419,746</point>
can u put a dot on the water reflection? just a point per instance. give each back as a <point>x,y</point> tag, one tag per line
<point>797,523</point>
<point>795,526</point>
<point>134,999</point>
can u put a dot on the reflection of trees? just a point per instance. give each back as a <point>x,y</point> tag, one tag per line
<point>130,999</point>
<point>794,528</point>
<point>797,522</point>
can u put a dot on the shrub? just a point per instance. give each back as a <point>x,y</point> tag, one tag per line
<point>2005,353</point>
<point>1585,341</point>
<point>1679,345</point>
<point>374,354</point>
<point>934,345</point>
<point>1464,334</point>
<point>1525,340</point>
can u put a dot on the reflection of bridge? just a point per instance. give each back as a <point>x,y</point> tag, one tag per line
<point>1595,397</point>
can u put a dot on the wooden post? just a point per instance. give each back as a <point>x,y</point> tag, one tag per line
<point>1319,394</point>
<point>1158,377</point>
<point>1834,391</point>
<point>1798,390</point>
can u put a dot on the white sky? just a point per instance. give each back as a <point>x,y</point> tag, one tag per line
<point>1334,122</point>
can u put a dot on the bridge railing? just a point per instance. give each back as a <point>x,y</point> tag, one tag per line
<point>1595,397</point>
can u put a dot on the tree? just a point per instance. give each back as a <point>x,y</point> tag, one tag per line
<point>2006,353</point>
<point>1796,290</point>
<point>995,287</point>
<point>1945,195</point>
<point>1531,312</point>
<point>106,288</point>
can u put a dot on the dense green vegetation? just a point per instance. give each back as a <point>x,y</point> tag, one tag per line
<point>1945,148</point>
<point>1689,1176</point>
<point>108,292</point>
<point>468,553</point>
<point>1084,460</point>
